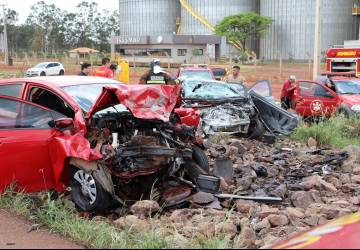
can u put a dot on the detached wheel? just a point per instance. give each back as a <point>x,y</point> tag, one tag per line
<point>87,193</point>
<point>201,159</point>
<point>256,130</point>
<point>61,73</point>
<point>42,74</point>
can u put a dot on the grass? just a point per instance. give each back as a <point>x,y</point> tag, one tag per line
<point>64,220</point>
<point>337,132</point>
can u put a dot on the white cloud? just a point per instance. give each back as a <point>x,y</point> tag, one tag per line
<point>23,6</point>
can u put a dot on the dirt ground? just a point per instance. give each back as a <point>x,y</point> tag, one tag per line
<point>14,234</point>
<point>267,71</point>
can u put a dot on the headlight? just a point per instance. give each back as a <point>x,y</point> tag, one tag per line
<point>356,108</point>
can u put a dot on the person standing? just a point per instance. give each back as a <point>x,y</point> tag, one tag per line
<point>104,70</point>
<point>235,76</point>
<point>287,93</point>
<point>85,69</point>
<point>156,75</point>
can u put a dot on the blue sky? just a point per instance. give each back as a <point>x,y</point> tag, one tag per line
<point>23,6</point>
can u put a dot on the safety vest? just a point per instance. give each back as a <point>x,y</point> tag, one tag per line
<point>156,79</point>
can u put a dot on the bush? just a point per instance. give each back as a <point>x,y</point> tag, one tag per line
<point>337,132</point>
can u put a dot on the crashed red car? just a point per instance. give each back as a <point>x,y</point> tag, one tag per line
<point>107,141</point>
<point>342,233</point>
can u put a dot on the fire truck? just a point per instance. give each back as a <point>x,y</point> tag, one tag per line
<point>343,59</point>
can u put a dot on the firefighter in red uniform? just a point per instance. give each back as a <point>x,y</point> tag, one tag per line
<point>104,70</point>
<point>287,93</point>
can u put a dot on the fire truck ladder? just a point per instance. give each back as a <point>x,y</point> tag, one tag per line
<point>187,6</point>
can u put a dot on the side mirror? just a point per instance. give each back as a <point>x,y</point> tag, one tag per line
<point>63,124</point>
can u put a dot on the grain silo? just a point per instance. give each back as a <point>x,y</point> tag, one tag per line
<point>148,17</point>
<point>213,11</point>
<point>293,29</point>
<point>198,17</point>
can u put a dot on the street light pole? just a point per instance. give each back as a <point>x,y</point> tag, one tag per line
<point>6,49</point>
<point>317,47</point>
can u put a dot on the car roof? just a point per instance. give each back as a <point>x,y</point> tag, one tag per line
<point>195,69</point>
<point>63,81</point>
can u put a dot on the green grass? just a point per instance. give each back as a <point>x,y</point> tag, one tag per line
<point>93,233</point>
<point>337,132</point>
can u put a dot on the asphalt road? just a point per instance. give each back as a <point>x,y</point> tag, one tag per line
<point>14,234</point>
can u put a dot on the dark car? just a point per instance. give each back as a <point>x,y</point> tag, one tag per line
<point>232,109</point>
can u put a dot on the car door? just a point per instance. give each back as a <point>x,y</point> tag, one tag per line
<point>264,89</point>
<point>24,137</point>
<point>314,99</point>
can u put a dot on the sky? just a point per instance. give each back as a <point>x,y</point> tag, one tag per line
<point>23,6</point>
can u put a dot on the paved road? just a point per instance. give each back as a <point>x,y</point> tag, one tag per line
<point>14,234</point>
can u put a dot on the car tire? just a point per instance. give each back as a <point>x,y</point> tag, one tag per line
<point>87,194</point>
<point>201,159</point>
<point>61,73</point>
<point>43,74</point>
<point>256,129</point>
<point>344,110</point>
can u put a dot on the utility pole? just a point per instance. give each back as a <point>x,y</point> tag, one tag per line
<point>6,49</point>
<point>317,47</point>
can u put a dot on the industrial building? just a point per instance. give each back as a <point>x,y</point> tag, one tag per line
<point>157,27</point>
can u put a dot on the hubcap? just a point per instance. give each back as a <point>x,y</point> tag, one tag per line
<point>88,186</point>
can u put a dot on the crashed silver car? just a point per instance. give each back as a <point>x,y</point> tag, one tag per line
<point>232,109</point>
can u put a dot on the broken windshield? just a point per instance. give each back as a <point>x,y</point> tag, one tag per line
<point>85,95</point>
<point>212,90</point>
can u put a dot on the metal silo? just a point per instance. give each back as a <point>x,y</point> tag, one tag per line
<point>213,11</point>
<point>293,29</point>
<point>148,17</point>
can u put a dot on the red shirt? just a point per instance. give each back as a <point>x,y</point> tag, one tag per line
<point>286,92</point>
<point>103,71</point>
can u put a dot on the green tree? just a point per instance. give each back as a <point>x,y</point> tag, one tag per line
<point>242,27</point>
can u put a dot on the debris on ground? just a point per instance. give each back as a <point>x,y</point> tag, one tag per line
<point>270,193</point>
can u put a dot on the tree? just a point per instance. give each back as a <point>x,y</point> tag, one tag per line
<point>242,27</point>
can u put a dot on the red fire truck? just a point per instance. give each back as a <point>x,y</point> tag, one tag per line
<point>343,60</point>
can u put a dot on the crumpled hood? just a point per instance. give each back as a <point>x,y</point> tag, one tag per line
<point>148,102</point>
<point>350,100</point>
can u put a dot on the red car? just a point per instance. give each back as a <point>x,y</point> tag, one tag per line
<point>196,72</point>
<point>342,233</point>
<point>316,99</point>
<point>57,132</point>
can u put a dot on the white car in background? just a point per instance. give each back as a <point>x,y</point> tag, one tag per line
<point>46,69</point>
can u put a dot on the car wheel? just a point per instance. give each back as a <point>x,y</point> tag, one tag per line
<point>201,159</point>
<point>42,74</point>
<point>256,130</point>
<point>61,73</point>
<point>87,193</point>
<point>344,110</point>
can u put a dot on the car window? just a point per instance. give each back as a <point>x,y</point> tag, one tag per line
<point>13,90</point>
<point>18,115</point>
<point>51,101</point>
<point>310,89</point>
<point>262,88</point>
<point>196,75</point>
<point>56,65</point>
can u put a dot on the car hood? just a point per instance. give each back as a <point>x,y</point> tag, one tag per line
<point>148,102</point>
<point>351,99</point>
<point>36,69</point>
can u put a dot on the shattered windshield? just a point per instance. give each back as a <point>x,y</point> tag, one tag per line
<point>212,90</point>
<point>85,95</point>
<point>348,87</point>
<point>196,75</point>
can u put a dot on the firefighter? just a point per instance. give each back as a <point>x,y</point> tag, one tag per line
<point>156,75</point>
<point>287,93</point>
<point>104,70</point>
